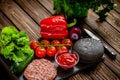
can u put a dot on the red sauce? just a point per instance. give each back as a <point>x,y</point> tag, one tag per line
<point>67,60</point>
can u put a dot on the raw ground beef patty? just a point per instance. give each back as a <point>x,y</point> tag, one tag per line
<point>40,69</point>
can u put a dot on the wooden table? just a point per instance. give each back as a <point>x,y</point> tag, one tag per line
<point>26,15</point>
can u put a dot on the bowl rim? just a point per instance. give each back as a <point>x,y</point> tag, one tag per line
<point>72,52</point>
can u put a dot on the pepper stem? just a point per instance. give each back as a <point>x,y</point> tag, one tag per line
<point>72,23</point>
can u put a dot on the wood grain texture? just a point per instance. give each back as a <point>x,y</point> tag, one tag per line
<point>26,15</point>
<point>20,19</point>
<point>81,76</point>
<point>114,19</point>
<point>48,4</point>
<point>113,66</point>
<point>118,5</point>
<point>4,21</point>
<point>105,30</point>
<point>101,73</point>
<point>34,9</point>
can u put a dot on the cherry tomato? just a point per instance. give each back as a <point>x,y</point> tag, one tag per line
<point>44,42</point>
<point>67,41</point>
<point>40,52</point>
<point>51,51</point>
<point>62,49</point>
<point>33,44</point>
<point>54,42</point>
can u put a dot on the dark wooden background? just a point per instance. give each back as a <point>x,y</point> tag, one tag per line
<point>26,15</point>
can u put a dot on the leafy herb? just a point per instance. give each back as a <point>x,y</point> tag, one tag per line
<point>79,8</point>
<point>14,45</point>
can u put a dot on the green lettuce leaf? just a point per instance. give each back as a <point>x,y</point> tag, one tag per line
<point>14,44</point>
<point>9,30</point>
<point>7,51</point>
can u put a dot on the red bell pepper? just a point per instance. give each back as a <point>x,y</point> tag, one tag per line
<point>53,23</point>
<point>54,34</point>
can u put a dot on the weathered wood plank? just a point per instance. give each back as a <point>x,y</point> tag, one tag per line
<point>34,9</point>
<point>4,21</point>
<point>114,19</point>
<point>99,73</point>
<point>113,66</point>
<point>105,30</point>
<point>21,20</point>
<point>81,76</point>
<point>48,4</point>
<point>118,5</point>
<point>102,73</point>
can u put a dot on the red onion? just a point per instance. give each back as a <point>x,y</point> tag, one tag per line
<point>75,33</point>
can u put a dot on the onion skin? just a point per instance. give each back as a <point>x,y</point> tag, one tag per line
<point>75,33</point>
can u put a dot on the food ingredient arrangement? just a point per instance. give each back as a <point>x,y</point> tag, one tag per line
<point>65,48</point>
<point>60,40</point>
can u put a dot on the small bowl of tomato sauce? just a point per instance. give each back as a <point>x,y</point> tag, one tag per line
<point>67,60</point>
